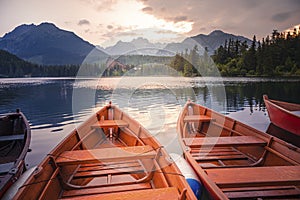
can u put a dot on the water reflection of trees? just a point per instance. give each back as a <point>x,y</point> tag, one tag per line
<point>250,94</point>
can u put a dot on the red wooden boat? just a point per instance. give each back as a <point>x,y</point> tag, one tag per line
<point>14,144</point>
<point>283,114</point>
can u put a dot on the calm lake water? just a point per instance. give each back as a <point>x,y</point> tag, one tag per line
<point>55,106</point>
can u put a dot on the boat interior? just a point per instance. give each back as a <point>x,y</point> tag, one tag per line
<point>236,159</point>
<point>12,140</point>
<point>110,156</point>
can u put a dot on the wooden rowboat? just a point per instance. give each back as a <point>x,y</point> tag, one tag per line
<point>236,161</point>
<point>110,156</point>
<point>284,115</point>
<point>14,144</point>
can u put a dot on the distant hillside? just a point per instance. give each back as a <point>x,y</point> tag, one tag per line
<point>138,46</point>
<point>217,38</point>
<point>143,47</point>
<point>212,41</point>
<point>12,66</point>
<point>46,44</point>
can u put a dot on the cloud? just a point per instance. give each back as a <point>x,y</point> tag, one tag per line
<point>241,17</point>
<point>67,23</point>
<point>109,27</point>
<point>100,5</point>
<point>180,18</point>
<point>106,5</point>
<point>131,34</point>
<point>280,17</point>
<point>115,31</point>
<point>147,9</point>
<point>83,22</point>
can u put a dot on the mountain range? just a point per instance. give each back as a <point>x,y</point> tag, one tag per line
<point>47,44</point>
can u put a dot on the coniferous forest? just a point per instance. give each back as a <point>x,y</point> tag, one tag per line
<point>12,66</point>
<point>275,55</point>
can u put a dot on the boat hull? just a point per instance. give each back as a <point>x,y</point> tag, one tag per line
<point>109,156</point>
<point>282,117</point>
<point>235,161</point>
<point>14,142</point>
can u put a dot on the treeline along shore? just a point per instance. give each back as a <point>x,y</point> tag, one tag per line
<point>275,55</point>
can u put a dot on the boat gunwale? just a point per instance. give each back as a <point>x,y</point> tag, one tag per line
<point>274,104</point>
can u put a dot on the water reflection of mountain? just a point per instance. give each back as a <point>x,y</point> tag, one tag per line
<point>7,96</point>
<point>44,104</point>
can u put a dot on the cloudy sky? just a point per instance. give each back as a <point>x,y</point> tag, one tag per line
<point>104,22</point>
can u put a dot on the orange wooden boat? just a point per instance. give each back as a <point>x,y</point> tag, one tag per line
<point>110,156</point>
<point>235,161</point>
<point>14,144</point>
<point>283,114</point>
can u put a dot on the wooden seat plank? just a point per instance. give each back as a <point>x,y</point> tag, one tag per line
<point>197,118</point>
<point>274,175</point>
<point>106,155</point>
<point>109,189</point>
<point>106,166</point>
<point>209,150</point>
<point>224,141</point>
<point>257,192</point>
<point>11,137</point>
<point>124,170</point>
<point>284,192</point>
<point>148,194</point>
<point>220,153</point>
<point>110,124</point>
<point>221,157</point>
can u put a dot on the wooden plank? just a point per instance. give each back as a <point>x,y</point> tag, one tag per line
<point>110,124</point>
<point>106,155</point>
<point>224,141</point>
<point>11,137</point>
<point>259,192</point>
<point>124,170</point>
<point>222,157</point>
<point>216,153</point>
<point>52,188</point>
<point>149,194</point>
<point>103,189</point>
<point>273,175</point>
<point>105,166</point>
<point>197,118</point>
<point>209,150</point>
<point>257,188</point>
